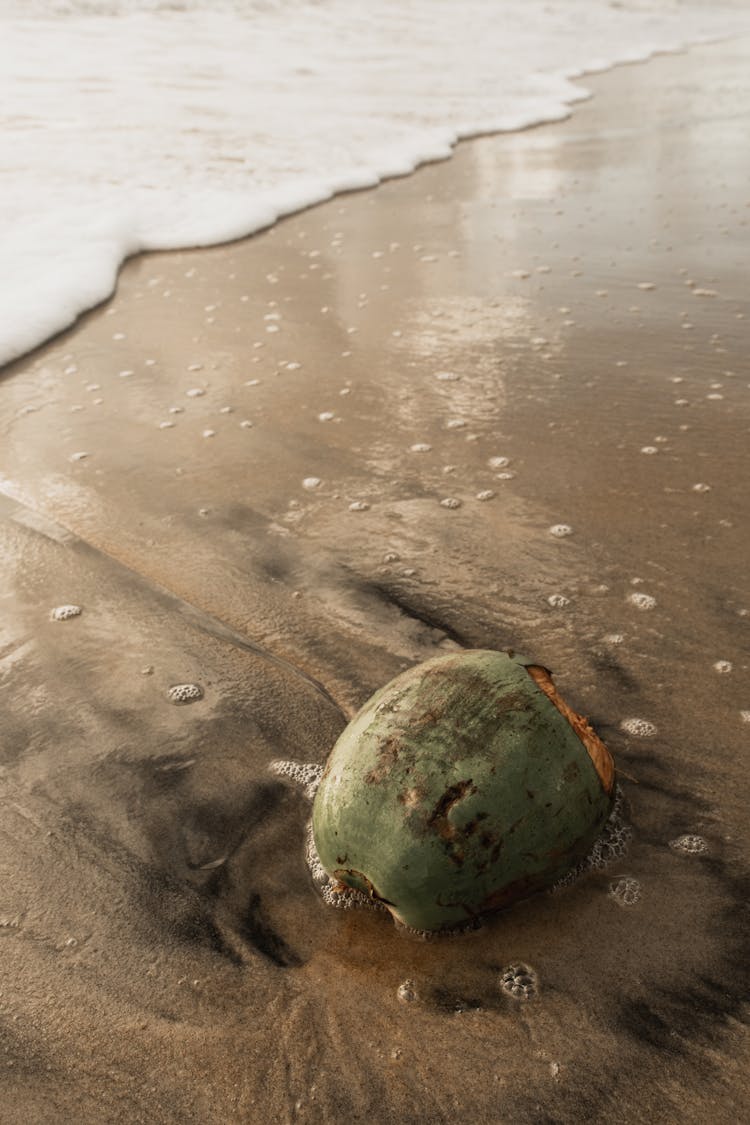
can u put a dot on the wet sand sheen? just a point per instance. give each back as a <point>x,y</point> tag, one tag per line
<point>553,322</point>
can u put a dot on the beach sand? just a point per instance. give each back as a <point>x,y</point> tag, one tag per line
<point>572,299</point>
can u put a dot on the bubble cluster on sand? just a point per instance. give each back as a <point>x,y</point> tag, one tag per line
<point>639,728</point>
<point>723,666</point>
<point>455,424</point>
<point>359,506</point>
<point>560,530</point>
<point>407,992</point>
<point>701,487</point>
<point>519,981</point>
<point>64,612</point>
<point>420,447</point>
<point>184,693</point>
<point>626,891</point>
<point>326,416</point>
<point>311,482</point>
<point>333,893</point>
<point>642,601</point>
<point>613,842</point>
<point>557,601</point>
<point>611,845</point>
<point>613,638</point>
<point>447,376</point>
<point>79,456</point>
<point>485,494</point>
<point>450,502</point>
<point>689,843</point>
<point>498,462</point>
<point>306,774</point>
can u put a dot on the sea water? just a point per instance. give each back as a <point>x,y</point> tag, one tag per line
<point>129,125</point>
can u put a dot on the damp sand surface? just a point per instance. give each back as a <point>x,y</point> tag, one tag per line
<point>502,403</point>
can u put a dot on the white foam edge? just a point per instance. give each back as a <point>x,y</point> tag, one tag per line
<point>47,302</point>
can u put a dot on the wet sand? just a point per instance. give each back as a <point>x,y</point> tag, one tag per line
<point>165,955</point>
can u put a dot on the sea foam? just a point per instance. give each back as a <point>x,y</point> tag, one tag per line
<point>132,125</point>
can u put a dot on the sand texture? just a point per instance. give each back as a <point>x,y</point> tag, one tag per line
<point>550,329</point>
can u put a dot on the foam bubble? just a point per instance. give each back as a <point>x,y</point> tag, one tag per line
<point>519,981</point>
<point>184,693</point>
<point>626,891</point>
<point>326,416</point>
<point>359,506</point>
<point>65,612</point>
<point>447,376</point>
<point>485,494</point>
<point>642,601</point>
<point>723,666</point>
<point>306,774</point>
<point>701,487</point>
<point>450,502</point>
<point>560,530</point>
<point>311,483</point>
<point>610,845</point>
<point>195,392</point>
<point>334,894</point>
<point>455,424</point>
<point>407,992</point>
<point>557,601</point>
<point>79,456</point>
<point>639,728</point>
<point>691,844</point>
<point>498,462</point>
<point>420,447</point>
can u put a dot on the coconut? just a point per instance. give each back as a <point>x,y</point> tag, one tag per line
<point>463,785</point>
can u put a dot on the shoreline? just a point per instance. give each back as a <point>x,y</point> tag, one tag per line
<point>365,179</point>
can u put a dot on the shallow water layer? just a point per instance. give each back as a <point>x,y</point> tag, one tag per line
<point>556,323</point>
<point>130,125</point>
